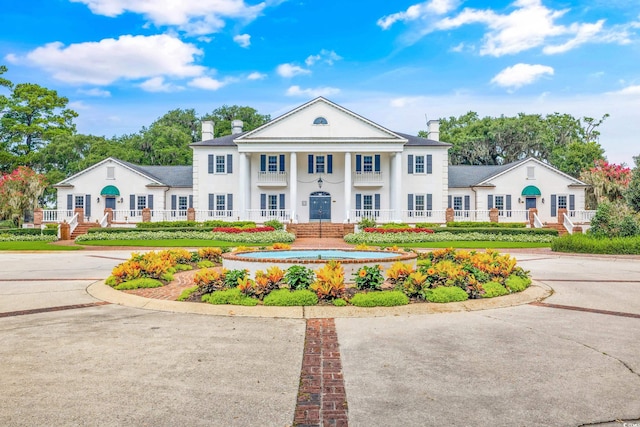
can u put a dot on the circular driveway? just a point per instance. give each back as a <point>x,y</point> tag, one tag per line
<point>69,359</point>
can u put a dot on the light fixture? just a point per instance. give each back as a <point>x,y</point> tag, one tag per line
<point>320,182</point>
<point>121,199</point>
<point>543,200</point>
<point>519,200</point>
<point>98,200</point>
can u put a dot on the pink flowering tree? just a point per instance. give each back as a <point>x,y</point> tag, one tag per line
<point>608,182</point>
<point>19,193</point>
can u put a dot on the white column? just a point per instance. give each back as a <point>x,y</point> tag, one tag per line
<point>245,183</point>
<point>397,187</point>
<point>293,185</point>
<point>347,186</point>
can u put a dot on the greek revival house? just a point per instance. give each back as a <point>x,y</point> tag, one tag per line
<point>319,162</point>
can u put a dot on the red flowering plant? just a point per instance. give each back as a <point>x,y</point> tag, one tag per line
<point>607,181</point>
<point>19,193</point>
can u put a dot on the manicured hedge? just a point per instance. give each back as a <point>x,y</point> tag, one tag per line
<point>194,224</point>
<point>115,230</point>
<point>472,224</point>
<point>586,244</point>
<point>496,230</point>
<point>29,231</point>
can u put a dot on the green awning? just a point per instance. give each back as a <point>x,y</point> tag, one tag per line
<point>531,190</point>
<point>110,190</point>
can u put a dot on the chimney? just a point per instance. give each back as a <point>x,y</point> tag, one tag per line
<point>236,127</point>
<point>433,130</point>
<point>207,130</point>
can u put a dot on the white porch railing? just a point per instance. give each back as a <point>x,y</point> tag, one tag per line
<point>378,215</point>
<point>226,215</point>
<point>104,222</point>
<point>56,215</point>
<point>536,221</point>
<point>470,216</point>
<point>126,216</point>
<point>261,215</point>
<point>410,216</point>
<point>514,216</point>
<point>272,178</point>
<point>73,224</point>
<point>367,178</point>
<point>568,224</point>
<point>582,216</point>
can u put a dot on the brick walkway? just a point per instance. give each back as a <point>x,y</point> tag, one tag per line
<point>172,291</point>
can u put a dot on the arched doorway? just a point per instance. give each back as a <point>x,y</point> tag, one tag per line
<point>320,206</point>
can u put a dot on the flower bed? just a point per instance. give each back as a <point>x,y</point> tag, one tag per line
<point>242,237</point>
<point>397,230</point>
<point>405,236</point>
<point>236,230</point>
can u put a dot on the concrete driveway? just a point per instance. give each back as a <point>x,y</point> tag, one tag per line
<point>546,365</point>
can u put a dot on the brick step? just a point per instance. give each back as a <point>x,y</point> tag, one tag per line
<point>559,227</point>
<point>82,229</point>
<point>312,230</point>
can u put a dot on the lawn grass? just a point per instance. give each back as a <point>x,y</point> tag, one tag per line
<point>170,243</point>
<point>35,246</point>
<point>473,245</point>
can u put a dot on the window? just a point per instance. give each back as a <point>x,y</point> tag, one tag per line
<point>562,202</point>
<point>220,202</point>
<point>367,163</point>
<point>319,164</point>
<point>273,202</point>
<point>419,164</point>
<point>457,203</point>
<point>79,202</point>
<point>320,121</point>
<point>419,202</point>
<point>531,172</point>
<point>141,202</point>
<point>273,164</point>
<point>499,203</point>
<point>111,172</point>
<point>220,164</point>
<point>367,202</point>
<point>182,203</point>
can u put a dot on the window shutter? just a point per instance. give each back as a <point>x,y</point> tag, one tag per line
<point>508,202</point>
<point>229,202</point>
<point>554,204</point>
<point>410,202</point>
<point>410,160</point>
<point>229,163</point>
<point>429,202</point>
<point>190,201</point>
<point>174,202</point>
<point>467,203</point>
<point>572,202</point>
<point>376,201</point>
<point>490,201</point>
<point>69,202</point>
<point>210,158</point>
<point>132,202</point>
<point>87,205</point>
<point>430,164</point>
<point>329,163</point>
<point>449,202</point>
<point>282,169</point>
<point>310,164</point>
<point>263,201</point>
<point>358,201</point>
<point>376,163</point>
<point>263,162</point>
<point>281,200</point>
<point>150,201</point>
<point>358,163</point>
<point>211,206</point>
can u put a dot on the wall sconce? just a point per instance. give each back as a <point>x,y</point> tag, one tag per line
<point>97,199</point>
<point>121,200</point>
<point>543,200</point>
<point>519,200</point>
<point>320,182</point>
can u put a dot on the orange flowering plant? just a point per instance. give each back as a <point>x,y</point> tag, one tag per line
<point>369,277</point>
<point>329,281</point>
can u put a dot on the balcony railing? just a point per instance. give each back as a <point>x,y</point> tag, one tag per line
<point>378,215</point>
<point>410,216</point>
<point>367,179</point>
<point>272,179</point>
<point>226,215</point>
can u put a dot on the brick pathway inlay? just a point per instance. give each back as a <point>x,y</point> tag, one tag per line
<point>322,400</point>
<point>587,310</point>
<point>50,309</point>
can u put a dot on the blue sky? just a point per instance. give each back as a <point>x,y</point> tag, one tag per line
<point>124,63</point>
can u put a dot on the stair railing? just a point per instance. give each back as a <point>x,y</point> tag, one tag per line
<point>536,221</point>
<point>73,223</point>
<point>568,224</point>
<point>104,222</point>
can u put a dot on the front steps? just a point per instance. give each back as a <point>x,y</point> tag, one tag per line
<point>82,228</point>
<point>316,230</point>
<point>561,230</point>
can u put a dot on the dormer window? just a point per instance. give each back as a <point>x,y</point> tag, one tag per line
<point>320,121</point>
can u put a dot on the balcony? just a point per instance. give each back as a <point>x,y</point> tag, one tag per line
<point>272,179</point>
<point>368,179</point>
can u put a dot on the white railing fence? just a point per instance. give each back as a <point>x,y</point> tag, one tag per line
<point>225,215</point>
<point>378,215</point>
<point>261,215</point>
<point>56,215</point>
<point>367,177</point>
<point>73,224</point>
<point>568,224</point>
<point>536,221</point>
<point>104,222</point>
<point>412,216</point>
<point>582,216</point>
<point>272,178</point>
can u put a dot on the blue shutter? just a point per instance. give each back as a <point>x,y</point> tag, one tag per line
<point>282,168</point>
<point>329,163</point>
<point>150,201</point>
<point>282,201</point>
<point>310,163</point>
<point>430,164</point>
<point>174,202</point>
<point>508,202</point>
<point>229,202</point>
<point>69,202</point>
<point>229,163</point>
<point>410,165</point>
<point>554,204</point>
<point>410,202</point>
<point>572,202</point>
<point>358,201</point>
<point>263,201</point>
<point>263,162</point>
<point>210,160</point>
<point>376,201</point>
<point>211,201</point>
<point>376,163</point>
<point>467,203</point>
<point>490,201</point>
<point>132,202</point>
<point>449,202</point>
<point>358,163</point>
<point>430,202</point>
<point>87,205</point>
<point>190,201</point>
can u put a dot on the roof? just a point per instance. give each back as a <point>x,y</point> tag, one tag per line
<point>414,141</point>
<point>222,141</point>
<point>461,176</point>
<point>172,176</point>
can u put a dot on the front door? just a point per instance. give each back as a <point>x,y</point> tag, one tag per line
<point>110,203</point>
<point>530,203</point>
<point>320,206</point>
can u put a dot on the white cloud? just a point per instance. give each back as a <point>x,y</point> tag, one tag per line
<point>128,58</point>
<point>256,76</point>
<point>520,75</point>
<point>290,70</point>
<point>157,84</point>
<point>11,58</point>
<point>584,33</point>
<point>312,92</point>
<point>404,101</point>
<point>196,17</point>
<point>207,83</point>
<point>326,56</point>
<point>418,11</point>
<point>243,40</point>
<point>97,92</point>
<point>629,90</point>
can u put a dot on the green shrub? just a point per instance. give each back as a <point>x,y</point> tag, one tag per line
<point>493,289</point>
<point>30,231</point>
<point>369,277</point>
<point>299,277</point>
<point>472,224</point>
<point>427,225</point>
<point>588,244</point>
<point>395,225</point>
<point>516,283</point>
<point>167,224</point>
<point>187,293</point>
<point>277,225</point>
<point>446,294</point>
<point>167,277</point>
<point>111,281</point>
<point>285,297</point>
<point>339,302</point>
<point>366,223</point>
<point>183,267</point>
<point>219,223</point>
<point>231,277</point>
<point>143,282</point>
<point>205,263</point>
<point>229,296</point>
<point>379,299</point>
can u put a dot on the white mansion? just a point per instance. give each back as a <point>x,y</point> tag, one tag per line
<point>319,162</point>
